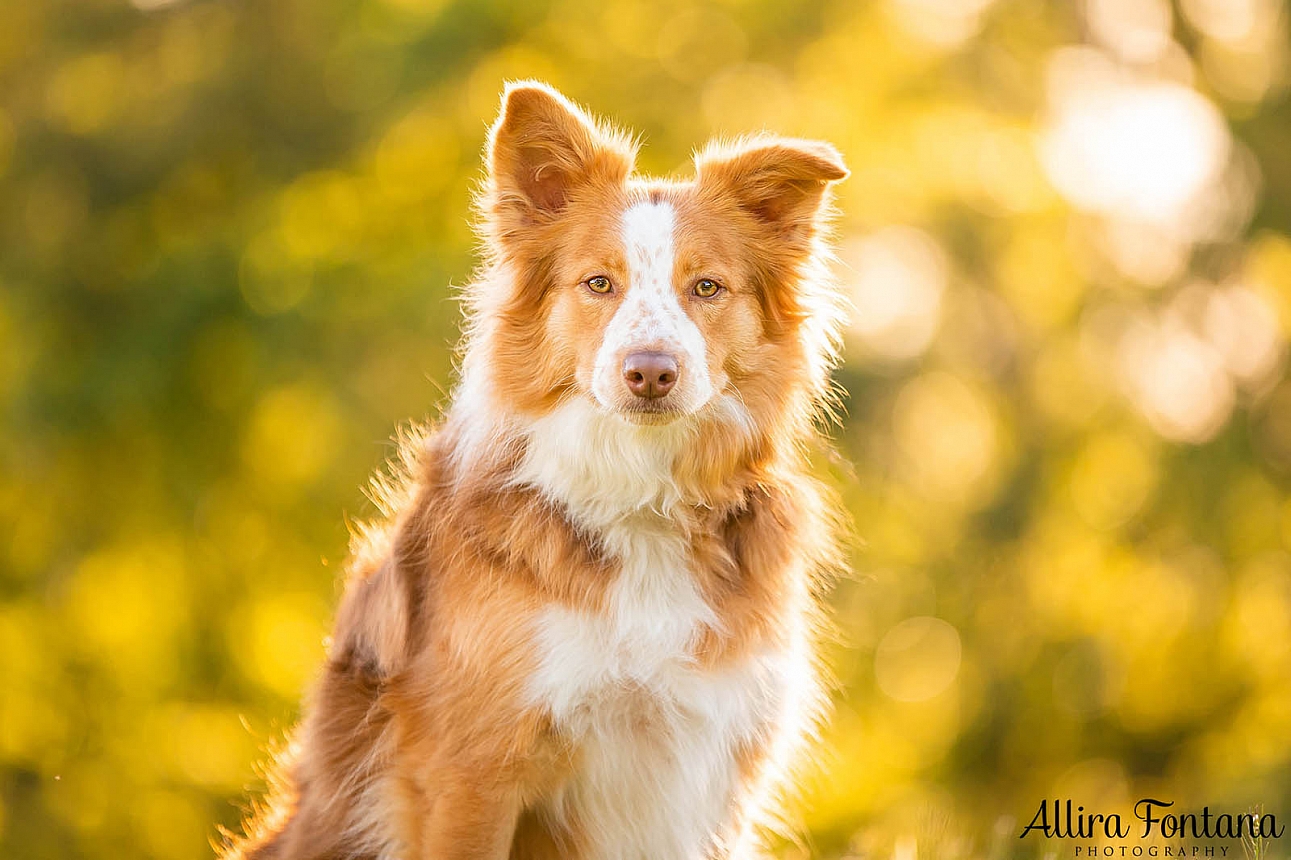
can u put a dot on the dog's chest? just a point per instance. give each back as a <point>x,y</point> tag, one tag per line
<point>655,736</point>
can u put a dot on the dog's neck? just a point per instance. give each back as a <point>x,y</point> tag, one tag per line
<point>600,467</point>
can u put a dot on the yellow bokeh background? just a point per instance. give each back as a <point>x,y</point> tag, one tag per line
<point>228,235</point>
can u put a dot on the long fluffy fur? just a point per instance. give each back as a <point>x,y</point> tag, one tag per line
<point>572,635</point>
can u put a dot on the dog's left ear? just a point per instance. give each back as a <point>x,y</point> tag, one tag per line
<point>779,181</point>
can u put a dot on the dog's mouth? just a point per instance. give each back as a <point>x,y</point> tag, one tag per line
<point>650,413</point>
<point>645,412</point>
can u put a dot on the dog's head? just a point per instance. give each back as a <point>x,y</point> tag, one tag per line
<point>654,300</point>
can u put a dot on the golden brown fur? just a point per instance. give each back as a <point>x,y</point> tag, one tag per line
<point>420,740</point>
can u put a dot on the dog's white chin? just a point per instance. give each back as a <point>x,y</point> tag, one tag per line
<point>646,416</point>
<point>651,418</point>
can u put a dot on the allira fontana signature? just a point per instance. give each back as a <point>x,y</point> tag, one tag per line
<point>1056,819</point>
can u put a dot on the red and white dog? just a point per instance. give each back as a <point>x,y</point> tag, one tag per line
<point>585,629</point>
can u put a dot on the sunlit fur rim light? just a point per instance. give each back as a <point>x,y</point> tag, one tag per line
<point>572,634</point>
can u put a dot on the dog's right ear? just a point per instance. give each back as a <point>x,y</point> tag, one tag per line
<point>543,148</point>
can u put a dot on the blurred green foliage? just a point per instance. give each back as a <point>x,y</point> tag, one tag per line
<point>227,235</point>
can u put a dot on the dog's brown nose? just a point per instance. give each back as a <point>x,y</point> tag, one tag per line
<point>650,374</point>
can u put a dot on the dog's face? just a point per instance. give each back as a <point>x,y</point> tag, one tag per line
<point>653,299</point>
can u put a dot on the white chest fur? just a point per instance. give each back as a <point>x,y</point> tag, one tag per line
<point>655,735</point>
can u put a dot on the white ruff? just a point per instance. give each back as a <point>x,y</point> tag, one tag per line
<point>656,737</point>
<point>603,467</point>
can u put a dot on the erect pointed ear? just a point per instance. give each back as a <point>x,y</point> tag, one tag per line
<point>543,147</point>
<point>779,181</point>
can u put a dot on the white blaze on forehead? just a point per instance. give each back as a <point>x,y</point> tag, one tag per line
<point>651,317</point>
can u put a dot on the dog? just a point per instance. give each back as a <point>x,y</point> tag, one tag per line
<point>586,626</point>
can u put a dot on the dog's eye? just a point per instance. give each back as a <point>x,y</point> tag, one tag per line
<point>600,284</point>
<point>706,288</point>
